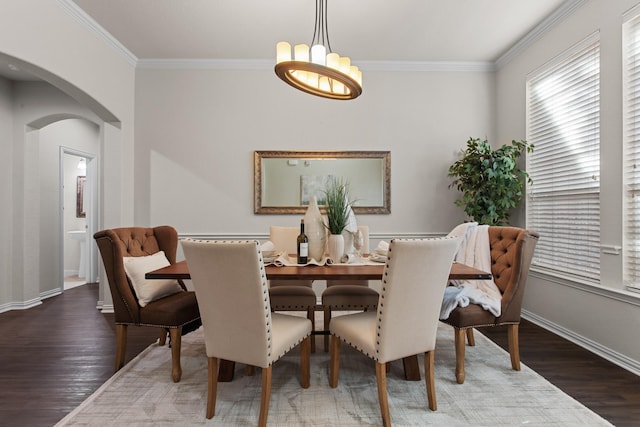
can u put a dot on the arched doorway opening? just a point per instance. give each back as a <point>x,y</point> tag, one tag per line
<point>35,268</point>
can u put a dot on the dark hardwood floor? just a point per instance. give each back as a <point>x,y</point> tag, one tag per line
<point>55,355</point>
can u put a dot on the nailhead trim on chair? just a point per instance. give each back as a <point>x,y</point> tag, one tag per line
<point>290,308</point>
<point>265,291</point>
<point>381,302</point>
<point>485,325</point>
<point>356,347</point>
<point>349,306</point>
<point>380,309</point>
<point>289,348</point>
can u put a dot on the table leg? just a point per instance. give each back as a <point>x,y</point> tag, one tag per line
<point>225,371</point>
<point>411,368</point>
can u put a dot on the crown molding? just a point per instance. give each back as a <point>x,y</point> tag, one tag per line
<point>566,9</point>
<point>90,24</point>
<point>206,64</point>
<point>268,64</point>
<point>559,15</point>
<point>427,66</point>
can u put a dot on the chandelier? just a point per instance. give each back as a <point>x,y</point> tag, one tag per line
<point>318,70</point>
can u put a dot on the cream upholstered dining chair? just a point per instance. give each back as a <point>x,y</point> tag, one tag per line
<point>231,286</point>
<point>406,321</point>
<point>511,251</point>
<point>291,295</point>
<point>127,254</point>
<point>348,295</point>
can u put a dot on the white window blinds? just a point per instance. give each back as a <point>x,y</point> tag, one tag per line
<point>631,83</point>
<point>563,123</point>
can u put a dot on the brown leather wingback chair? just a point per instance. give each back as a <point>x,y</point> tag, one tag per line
<point>171,313</point>
<point>511,253</point>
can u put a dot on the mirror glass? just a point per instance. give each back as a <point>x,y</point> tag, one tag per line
<point>285,180</point>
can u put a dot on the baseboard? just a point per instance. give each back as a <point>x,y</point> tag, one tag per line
<point>606,353</point>
<point>50,293</point>
<point>20,305</point>
<point>104,308</point>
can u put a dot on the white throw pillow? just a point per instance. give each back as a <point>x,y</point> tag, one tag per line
<point>149,290</point>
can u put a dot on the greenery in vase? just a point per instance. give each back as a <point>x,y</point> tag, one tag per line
<point>337,202</point>
<point>490,180</point>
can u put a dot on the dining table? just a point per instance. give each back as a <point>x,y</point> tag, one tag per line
<point>355,271</point>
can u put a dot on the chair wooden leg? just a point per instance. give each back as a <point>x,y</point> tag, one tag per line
<point>429,379</point>
<point>226,370</point>
<point>514,346</point>
<point>327,319</point>
<point>381,379</point>
<point>334,363</point>
<point>470,339</point>
<point>212,387</point>
<point>411,368</point>
<point>176,341</point>
<point>250,370</point>
<point>121,345</point>
<point>266,394</point>
<point>305,361</point>
<point>162,340</point>
<point>311,315</point>
<point>459,339</point>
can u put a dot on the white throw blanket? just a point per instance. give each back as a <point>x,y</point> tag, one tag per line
<point>474,250</point>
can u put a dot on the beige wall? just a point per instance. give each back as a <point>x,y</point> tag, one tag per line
<point>597,318</point>
<point>49,40</point>
<point>6,219</point>
<point>196,131</point>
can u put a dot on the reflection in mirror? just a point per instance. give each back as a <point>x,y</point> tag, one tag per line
<point>285,180</point>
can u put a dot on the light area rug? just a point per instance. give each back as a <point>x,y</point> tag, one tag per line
<point>142,393</point>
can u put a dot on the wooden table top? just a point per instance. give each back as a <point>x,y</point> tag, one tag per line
<point>459,271</point>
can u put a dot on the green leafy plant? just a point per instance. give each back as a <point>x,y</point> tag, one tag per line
<point>490,180</point>
<point>337,202</point>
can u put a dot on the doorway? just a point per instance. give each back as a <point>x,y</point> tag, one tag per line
<point>78,214</point>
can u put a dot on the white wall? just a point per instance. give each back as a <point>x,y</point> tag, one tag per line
<point>49,39</point>
<point>6,220</point>
<point>71,254</point>
<point>196,131</point>
<point>40,147</point>
<point>597,318</point>
<point>80,135</point>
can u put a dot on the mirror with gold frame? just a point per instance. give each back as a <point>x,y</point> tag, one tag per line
<point>285,180</point>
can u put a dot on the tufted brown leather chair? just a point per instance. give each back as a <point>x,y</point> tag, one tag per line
<point>511,252</point>
<point>171,313</point>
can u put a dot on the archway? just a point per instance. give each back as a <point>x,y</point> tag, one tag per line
<point>25,280</point>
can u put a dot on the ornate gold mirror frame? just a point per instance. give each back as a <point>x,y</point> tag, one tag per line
<point>284,180</point>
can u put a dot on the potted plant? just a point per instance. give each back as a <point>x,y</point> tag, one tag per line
<point>337,203</point>
<point>490,180</point>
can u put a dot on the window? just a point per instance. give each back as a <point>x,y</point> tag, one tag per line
<point>563,123</point>
<point>631,117</point>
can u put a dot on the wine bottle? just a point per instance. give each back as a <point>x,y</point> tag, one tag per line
<point>303,245</point>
